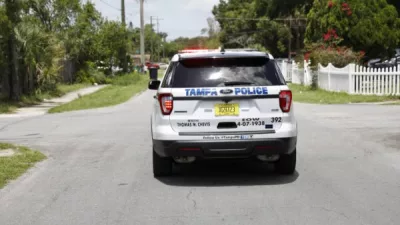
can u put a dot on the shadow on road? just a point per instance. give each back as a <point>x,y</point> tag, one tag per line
<point>226,174</point>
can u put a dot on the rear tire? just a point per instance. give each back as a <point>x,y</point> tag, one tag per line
<point>286,164</point>
<point>161,166</point>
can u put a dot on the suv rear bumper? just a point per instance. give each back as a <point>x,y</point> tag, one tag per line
<point>226,148</point>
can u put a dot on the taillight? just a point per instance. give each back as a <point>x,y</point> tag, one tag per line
<point>166,103</point>
<point>285,100</point>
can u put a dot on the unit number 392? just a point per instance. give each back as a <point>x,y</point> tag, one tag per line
<point>276,119</point>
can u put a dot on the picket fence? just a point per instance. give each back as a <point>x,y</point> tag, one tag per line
<point>352,79</point>
<point>296,73</point>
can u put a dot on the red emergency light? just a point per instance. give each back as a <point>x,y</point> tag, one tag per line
<point>196,50</point>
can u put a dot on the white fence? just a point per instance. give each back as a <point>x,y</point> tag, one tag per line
<point>296,73</point>
<point>352,79</point>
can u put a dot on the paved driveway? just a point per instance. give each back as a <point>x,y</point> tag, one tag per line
<point>99,172</point>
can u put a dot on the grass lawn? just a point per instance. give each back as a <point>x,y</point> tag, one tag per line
<point>161,73</point>
<point>65,88</point>
<point>121,90</point>
<point>305,94</point>
<point>14,166</point>
<point>7,106</point>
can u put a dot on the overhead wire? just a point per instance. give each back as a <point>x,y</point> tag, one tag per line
<point>130,14</point>
<point>110,5</point>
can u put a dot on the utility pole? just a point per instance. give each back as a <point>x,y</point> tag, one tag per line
<point>151,39</point>
<point>125,60</point>
<point>158,33</point>
<point>123,11</point>
<point>291,19</point>
<point>158,24</point>
<point>142,53</point>
<point>290,38</point>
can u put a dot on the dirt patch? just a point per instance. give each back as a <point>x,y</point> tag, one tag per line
<point>7,152</point>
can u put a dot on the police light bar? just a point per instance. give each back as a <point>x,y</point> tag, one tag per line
<point>196,50</point>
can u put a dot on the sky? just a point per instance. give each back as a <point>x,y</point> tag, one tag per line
<point>178,18</point>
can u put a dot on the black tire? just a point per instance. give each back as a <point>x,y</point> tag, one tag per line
<point>286,164</point>
<point>161,166</point>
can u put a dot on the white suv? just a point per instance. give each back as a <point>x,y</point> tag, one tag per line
<point>223,105</point>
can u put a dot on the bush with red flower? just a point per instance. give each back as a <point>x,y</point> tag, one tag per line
<point>360,24</point>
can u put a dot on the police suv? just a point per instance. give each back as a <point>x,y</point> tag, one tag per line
<point>223,104</point>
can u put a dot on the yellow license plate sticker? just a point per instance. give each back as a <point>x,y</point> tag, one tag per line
<point>226,109</point>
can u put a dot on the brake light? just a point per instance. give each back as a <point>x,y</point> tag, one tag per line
<point>166,103</point>
<point>285,100</point>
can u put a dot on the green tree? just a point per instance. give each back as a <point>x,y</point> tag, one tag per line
<point>369,25</point>
<point>41,52</point>
<point>255,22</point>
<point>153,42</point>
<point>38,36</point>
<point>12,12</point>
<point>111,42</point>
<point>395,3</point>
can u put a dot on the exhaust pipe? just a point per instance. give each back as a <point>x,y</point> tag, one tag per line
<point>268,158</point>
<point>184,159</point>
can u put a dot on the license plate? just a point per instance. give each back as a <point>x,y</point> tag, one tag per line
<point>226,109</point>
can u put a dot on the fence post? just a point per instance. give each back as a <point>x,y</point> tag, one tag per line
<point>352,68</point>
<point>284,69</point>
<point>294,64</point>
<point>329,76</point>
<point>306,74</point>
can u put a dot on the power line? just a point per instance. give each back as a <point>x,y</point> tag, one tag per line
<point>110,5</point>
<point>130,14</point>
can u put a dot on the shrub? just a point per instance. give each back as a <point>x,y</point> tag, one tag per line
<point>89,74</point>
<point>101,78</point>
<point>126,80</point>
<point>337,56</point>
<point>83,76</point>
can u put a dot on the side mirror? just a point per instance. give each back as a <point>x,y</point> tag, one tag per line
<point>154,84</point>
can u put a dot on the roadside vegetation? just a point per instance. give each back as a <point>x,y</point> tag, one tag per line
<point>318,96</point>
<point>10,106</point>
<point>49,43</point>
<point>121,89</point>
<point>51,47</point>
<point>339,32</point>
<point>14,166</point>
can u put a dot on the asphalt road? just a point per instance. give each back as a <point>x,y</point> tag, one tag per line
<point>99,172</point>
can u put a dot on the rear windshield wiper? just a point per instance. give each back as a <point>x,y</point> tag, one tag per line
<point>234,83</point>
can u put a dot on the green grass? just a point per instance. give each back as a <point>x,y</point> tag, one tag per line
<point>305,94</point>
<point>7,106</point>
<point>14,166</point>
<point>65,88</point>
<point>161,73</point>
<point>122,88</point>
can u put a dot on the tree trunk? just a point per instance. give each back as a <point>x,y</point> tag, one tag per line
<point>12,11</point>
<point>15,91</point>
<point>5,86</point>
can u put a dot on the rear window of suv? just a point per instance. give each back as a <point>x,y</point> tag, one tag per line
<point>219,72</point>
